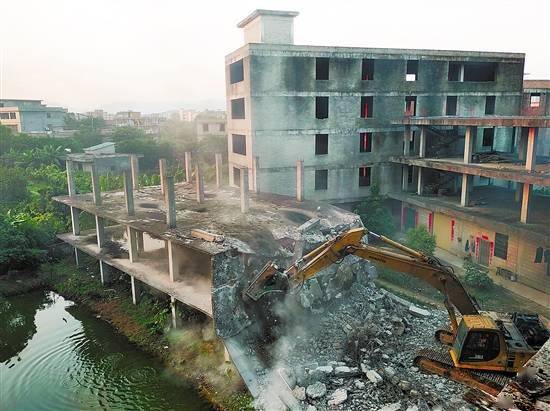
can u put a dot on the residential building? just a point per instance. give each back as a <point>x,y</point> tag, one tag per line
<point>441,132</point>
<point>210,123</point>
<point>11,117</point>
<point>35,117</point>
<point>188,115</point>
<point>536,102</point>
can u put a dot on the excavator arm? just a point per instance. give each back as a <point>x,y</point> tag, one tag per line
<point>408,261</point>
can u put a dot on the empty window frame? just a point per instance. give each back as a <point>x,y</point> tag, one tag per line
<point>455,68</point>
<point>364,176</point>
<point>490,105</point>
<point>488,137</point>
<point>367,69</point>
<point>238,143</point>
<point>321,107</point>
<point>237,176</point>
<point>367,106</point>
<point>412,70</point>
<point>365,142</point>
<point>321,179</point>
<point>410,174</point>
<point>321,68</point>
<point>4,116</point>
<point>13,115</point>
<point>451,105</point>
<point>411,142</point>
<point>321,144</point>
<point>410,106</point>
<point>534,100</point>
<point>480,71</point>
<point>236,72</point>
<point>237,108</point>
<point>501,246</point>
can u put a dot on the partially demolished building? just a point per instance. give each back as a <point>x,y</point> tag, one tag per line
<point>339,119</point>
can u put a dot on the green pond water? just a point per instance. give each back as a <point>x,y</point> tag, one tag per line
<point>55,355</point>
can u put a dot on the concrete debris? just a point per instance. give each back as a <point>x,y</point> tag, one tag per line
<point>391,407</point>
<point>310,225</point>
<point>316,390</point>
<point>373,376</point>
<point>418,312</point>
<point>299,393</point>
<point>338,396</point>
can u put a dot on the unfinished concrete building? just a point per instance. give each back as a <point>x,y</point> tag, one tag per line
<point>199,246</point>
<point>325,123</point>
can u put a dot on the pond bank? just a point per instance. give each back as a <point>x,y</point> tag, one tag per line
<point>194,353</point>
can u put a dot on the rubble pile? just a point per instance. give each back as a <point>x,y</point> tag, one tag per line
<point>355,350</point>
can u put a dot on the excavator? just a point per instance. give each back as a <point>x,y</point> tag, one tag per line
<point>484,349</point>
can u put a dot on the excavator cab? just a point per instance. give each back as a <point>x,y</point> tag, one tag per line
<point>479,344</point>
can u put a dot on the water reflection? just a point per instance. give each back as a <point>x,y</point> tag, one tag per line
<point>58,356</point>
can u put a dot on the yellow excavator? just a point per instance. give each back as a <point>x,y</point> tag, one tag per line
<point>485,348</point>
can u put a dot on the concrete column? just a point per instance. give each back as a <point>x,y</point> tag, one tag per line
<point>134,164</point>
<point>465,190</point>
<point>174,310</point>
<point>69,165</point>
<point>422,145</point>
<point>132,244</point>
<point>531,158</point>
<point>199,184</point>
<point>77,257</point>
<point>170,203</point>
<point>105,272</point>
<point>95,185</point>
<point>300,180</point>
<point>136,290</point>
<point>100,231</point>
<point>187,166</point>
<point>420,182</point>
<point>245,200</point>
<point>218,170</point>
<point>173,261</point>
<point>256,171</point>
<point>526,203</point>
<point>75,220</point>
<point>129,192</point>
<point>407,140</point>
<point>140,246</point>
<point>405,178</point>
<point>162,172</point>
<point>469,139</point>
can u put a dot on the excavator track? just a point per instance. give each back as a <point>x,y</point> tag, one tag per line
<point>440,362</point>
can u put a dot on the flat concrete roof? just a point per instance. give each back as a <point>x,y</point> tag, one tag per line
<point>265,12</point>
<point>269,218</point>
<point>486,121</point>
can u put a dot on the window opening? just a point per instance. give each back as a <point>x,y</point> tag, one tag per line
<point>321,107</point>
<point>490,105</point>
<point>410,106</point>
<point>367,106</point>
<point>451,106</point>
<point>237,108</point>
<point>364,176</point>
<point>367,69</point>
<point>236,72</point>
<point>321,144</point>
<point>321,179</point>
<point>321,68</point>
<point>412,70</point>
<point>365,142</point>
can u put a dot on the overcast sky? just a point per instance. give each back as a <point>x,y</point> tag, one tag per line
<point>161,55</point>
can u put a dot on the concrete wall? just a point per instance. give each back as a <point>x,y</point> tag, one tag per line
<point>280,89</point>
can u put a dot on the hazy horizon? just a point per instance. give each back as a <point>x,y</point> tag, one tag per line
<point>154,57</point>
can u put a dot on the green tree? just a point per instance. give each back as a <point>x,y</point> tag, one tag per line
<point>476,275</point>
<point>420,239</point>
<point>128,133</point>
<point>13,186</point>
<point>375,214</point>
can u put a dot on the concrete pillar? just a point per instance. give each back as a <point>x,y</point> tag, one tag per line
<point>218,170</point>
<point>132,244</point>
<point>105,272</point>
<point>256,171</point>
<point>420,182</point>
<point>136,290</point>
<point>187,166</point>
<point>75,213</point>
<point>77,257</point>
<point>526,203</point>
<point>300,180</point>
<point>465,190</point>
<point>75,220</point>
<point>129,192</point>
<point>422,144</point>
<point>95,185</point>
<point>140,246</point>
<point>174,310</point>
<point>469,139</point>
<point>405,178</point>
<point>100,231</point>
<point>531,157</point>
<point>162,172</point>
<point>134,164</point>
<point>245,200</point>
<point>170,203</point>
<point>173,261</point>
<point>199,184</point>
<point>407,140</point>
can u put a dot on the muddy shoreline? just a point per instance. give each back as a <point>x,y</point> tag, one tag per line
<point>183,353</point>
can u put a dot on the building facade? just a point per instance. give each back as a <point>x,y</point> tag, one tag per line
<point>35,117</point>
<point>210,123</point>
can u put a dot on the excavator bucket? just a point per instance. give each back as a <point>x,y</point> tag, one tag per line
<point>270,279</point>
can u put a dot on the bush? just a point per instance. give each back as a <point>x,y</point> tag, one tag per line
<point>420,239</point>
<point>13,186</point>
<point>476,275</point>
<point>375,214</point>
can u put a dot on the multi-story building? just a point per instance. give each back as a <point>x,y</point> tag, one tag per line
<point>34,116</point>
<point>330,122</point>
<point>10,117</point>
<point>210,123</point>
